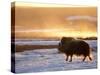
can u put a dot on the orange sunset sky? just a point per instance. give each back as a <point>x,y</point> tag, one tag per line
<point>50,20</point>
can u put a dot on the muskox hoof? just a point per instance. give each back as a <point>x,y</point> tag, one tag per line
<point>70,60</point>
<point>66,59</point>
<point>83,60</point>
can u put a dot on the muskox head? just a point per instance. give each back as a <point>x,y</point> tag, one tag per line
<point>64,44</point>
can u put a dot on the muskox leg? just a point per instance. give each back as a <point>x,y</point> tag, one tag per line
<point>67,56</point>
<point>84,58</point>
<point>90,58</point>
<point>70,58</point>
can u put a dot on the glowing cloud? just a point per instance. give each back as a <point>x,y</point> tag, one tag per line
<point>89,18</point>
<point>43,30</point>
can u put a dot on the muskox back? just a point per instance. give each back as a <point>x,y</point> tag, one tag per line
<point>79,47</point>
<point>71,46</point>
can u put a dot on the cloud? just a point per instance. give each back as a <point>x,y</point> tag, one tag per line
<point>43,30</point>
<point>89,18</point>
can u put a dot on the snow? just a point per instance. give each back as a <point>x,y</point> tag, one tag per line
<point>35,42</point>
<point>43,60</point>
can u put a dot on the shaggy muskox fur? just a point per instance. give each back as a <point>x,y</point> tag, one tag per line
<point>71,46</point>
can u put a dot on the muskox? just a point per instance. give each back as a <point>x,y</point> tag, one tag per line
<point>71,46</point>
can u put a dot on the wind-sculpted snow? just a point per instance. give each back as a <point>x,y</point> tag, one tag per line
<point>42,60</point>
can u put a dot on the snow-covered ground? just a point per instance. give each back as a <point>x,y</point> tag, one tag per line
<point>42,60</point>
<point>35,42</point>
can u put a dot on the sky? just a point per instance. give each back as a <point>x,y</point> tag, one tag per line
<point>51,20</point>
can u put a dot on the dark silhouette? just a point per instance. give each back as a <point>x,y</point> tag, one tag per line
<point>71,46</point>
